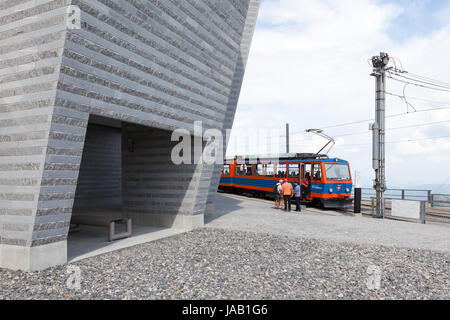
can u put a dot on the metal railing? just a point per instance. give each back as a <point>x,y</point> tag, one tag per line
<point>435,200</point>
<point>401,194</point>
<point>423,213</point>
<point>434,207</point>
<point>440,200</point>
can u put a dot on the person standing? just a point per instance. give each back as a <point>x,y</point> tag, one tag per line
<point>277,194</point>
<point>280,191</point>
<point>305,186</point>
<point>288,192</point>
<point>297,197</point>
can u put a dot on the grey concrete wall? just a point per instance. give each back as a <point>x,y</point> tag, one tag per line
<point>157,192</point>
<point>158,64</point>
<point>100,177</point>
<point>162,64</point>
<point>246,40</point>
<point>32,37</point>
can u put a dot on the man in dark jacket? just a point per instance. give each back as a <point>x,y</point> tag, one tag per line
<point>297,197</point>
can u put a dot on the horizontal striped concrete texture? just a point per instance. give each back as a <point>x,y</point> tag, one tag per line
<point>100,178</point>
<point>246,40</point>
<point>155,191</point>
<point>154,65</point>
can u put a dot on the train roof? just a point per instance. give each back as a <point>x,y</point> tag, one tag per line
<point>283,156</point>
<point>286,157</point>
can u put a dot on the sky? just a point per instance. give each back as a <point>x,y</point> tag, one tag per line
<point>309,67</point>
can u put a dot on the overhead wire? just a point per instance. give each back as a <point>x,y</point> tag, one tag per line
<point>396,128</point>
<point>401,64</point>
<point>445,86</point>
<point>414,79</point>
<point>372,119</point>
<point>418,85</point>
<point>427,79</point>
<point>388,116</point>
<point>399,141</point>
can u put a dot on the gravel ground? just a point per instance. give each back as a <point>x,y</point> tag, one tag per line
<point>226,264</point>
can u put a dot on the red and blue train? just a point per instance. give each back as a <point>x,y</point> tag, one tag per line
<point>330,180</point>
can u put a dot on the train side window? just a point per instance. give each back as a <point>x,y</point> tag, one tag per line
<point>317,171</point>
<point>281,170</point>
<point>293,171</point>
<point>258,170</point>
<point>269,170</point>
<point>248,170</point>
<point>226,170</point>
<point>239,169</point>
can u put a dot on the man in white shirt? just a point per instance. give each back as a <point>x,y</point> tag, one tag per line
<point>277,194</point>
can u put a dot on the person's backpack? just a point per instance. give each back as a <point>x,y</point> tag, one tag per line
<point>275,189</point>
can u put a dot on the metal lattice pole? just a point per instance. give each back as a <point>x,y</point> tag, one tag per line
<point>380,67</point>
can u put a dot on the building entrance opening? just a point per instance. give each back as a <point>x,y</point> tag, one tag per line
<point>128,190</point>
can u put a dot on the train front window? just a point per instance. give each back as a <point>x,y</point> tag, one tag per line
<point>226,170</point>
<point>294,171</point>
<point>337,171</point>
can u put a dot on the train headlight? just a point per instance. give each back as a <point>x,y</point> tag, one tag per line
<point>331,190</point>
<point>347,190</point>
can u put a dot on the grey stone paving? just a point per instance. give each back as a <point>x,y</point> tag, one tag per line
<point>249,214</point>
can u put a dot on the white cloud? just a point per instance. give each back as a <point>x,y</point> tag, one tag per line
<point>308,66</point>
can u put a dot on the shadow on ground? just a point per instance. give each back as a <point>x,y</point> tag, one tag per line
<point>223,206</point>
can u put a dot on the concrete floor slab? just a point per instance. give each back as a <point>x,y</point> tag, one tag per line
<point>91,241</point>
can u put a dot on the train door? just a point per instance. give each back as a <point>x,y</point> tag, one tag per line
<point>306,173</point>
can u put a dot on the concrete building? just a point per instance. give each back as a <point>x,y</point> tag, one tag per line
<point>90,92</point>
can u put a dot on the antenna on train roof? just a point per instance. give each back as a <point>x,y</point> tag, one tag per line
<point>320,133</point>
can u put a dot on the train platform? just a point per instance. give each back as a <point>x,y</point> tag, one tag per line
<point>241,213</point>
